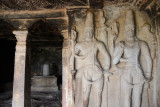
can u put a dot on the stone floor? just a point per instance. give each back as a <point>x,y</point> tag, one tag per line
<point>53,99</point>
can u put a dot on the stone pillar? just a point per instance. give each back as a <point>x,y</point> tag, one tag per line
<point>67,96</point>
<point>20,95</point>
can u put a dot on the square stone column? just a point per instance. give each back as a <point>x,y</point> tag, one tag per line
<point>20,95</point>
<point>67,94</point>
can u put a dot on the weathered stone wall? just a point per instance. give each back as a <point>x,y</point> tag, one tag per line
<point>146,30</point>
<point>13,17</point>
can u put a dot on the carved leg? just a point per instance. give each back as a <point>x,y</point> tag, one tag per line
<point>125,94</point>
<point>136,96</point>
<point>97,93</point>
<point>78,92</point>
<point>86,94</point>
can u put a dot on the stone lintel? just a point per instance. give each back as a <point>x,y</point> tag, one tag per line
<point>47,13</point>
<point>25,24</point>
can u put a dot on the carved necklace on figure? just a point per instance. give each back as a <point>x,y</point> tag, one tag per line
<point>129,43</point>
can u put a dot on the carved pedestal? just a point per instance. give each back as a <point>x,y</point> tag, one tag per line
<point>44,84</point>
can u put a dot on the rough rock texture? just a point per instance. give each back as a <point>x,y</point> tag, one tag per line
<point>47,99</point>
<point>39,4</point>
<point>49,17</point>
<point>56,4</point>
<point>111,29</point>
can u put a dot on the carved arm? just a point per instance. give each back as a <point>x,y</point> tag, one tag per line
<point>118,53</point>
<point>73,43</point>
<point>113,33</point>
<point>104,52</point>
<point>146,54</point>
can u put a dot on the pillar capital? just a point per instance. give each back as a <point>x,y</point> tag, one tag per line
<point>21,35</point>
<point>66,39</point>
<point>64,34</point>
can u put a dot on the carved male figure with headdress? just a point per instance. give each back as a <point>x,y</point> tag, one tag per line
<point>89,78</point>
<point>126,59</point>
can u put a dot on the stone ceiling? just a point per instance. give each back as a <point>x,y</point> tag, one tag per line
<point>58,4</point>
<point>39,4</point>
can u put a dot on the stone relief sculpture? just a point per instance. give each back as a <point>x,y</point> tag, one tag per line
<point>127,65</point>
<point>101,31</point>
<point>146,30</point>
<point>113,34</point>
<point>106,34</point>
<point>89,79</point>
<point>72,57</point>
<point>90,62</point>
<point>73,43</point>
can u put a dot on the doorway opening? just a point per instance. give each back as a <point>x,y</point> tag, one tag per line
<point>7,57</point>
<point>46,64</point>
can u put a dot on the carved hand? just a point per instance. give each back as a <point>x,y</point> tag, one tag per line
<point>112,33</point>
<point>106,68</point>
<point>131,60</point>
<point>121,44</point>
<point>148,77</point>
<point>147,80</point>
<point>117,71</point>
<point>107,73</point>
<point>114,36</point>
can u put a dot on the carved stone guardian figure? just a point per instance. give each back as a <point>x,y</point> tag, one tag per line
<point>126,60</point>
<point>89,78</point>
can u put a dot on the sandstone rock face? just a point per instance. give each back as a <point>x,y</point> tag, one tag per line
<point>113,58</point>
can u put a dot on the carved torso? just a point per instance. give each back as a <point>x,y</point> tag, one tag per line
<point>132,51</point>
<point>88,51</point>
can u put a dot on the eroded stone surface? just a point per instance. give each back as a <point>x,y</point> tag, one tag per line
<point>126,57</point>
<point>88,80</point>
<point>132,58</point>
<point>114,14</point>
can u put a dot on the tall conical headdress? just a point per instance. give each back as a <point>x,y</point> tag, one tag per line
<point>89,23</point>
<point>129,21</point>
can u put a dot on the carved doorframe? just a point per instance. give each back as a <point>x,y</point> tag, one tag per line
<point>67,100</point>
